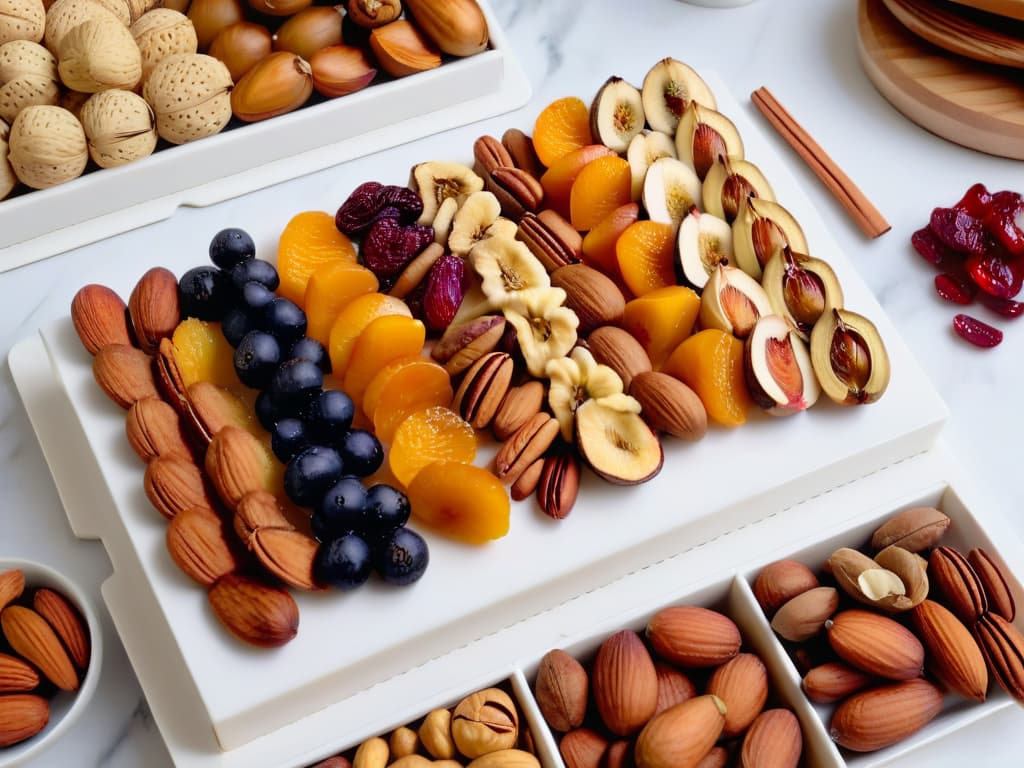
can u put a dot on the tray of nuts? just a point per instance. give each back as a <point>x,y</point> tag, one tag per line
<point>383,418</point>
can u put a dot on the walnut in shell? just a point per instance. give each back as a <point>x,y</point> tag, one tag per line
<point>28,75</point>
<point>160,33</point>
<point>8,180</point>
<point>120,127</point>
<point>191,96</point>
<point>65,15</point>
<point>47,147</point>
<point>22,20</point>
<point>139,8</point>
<point>98,55</point>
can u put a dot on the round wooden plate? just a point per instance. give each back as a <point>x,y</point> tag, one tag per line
<point>1012,8</point>
<point>973,104</point>
<point>977,35</point>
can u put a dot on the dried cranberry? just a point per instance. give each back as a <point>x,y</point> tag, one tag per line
<point>960,231</point>
<point>976,332</point>
<point>1005,221</point>
<point>1005,307</point>
<point>407,202</point>
<point>389,246</point>
<point>997,274</point>
<point>357,213</point>
<point>976,201</point>
<point>928,245</point>
<point>446,285</point>
<point>955,287</point>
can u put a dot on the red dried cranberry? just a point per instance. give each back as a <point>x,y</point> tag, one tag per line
<point>1005,221</point>
<point>1005,307</point>
<point>976,332</point>
<point>446,285</point>
<point>927,244</point>
<point>407,202</point>
<point>356,214</point>
<point>960,231</point>
<point>996,274</point>
<point>976,201</point>
<point>389,246</point>
<point>955,287</point>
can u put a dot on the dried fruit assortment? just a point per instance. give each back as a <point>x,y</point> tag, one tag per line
<point>884,633</point>
<point>484,730</point>
<point>686,694</point>
<point>978,245</point>
<point>84,79</point>
<point>45,644</point>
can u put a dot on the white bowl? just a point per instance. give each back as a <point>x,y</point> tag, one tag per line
<point>65,707</point>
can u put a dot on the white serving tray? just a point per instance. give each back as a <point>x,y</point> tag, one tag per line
<point>265,708</point>
<point>42,223</point>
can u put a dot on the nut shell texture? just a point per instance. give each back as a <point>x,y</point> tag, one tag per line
<point>120,127</point>
<point>161,33</point>
<point>22,20</point>
<point>190,95</point>
<point>47,146</point>
<point>7,178</point>
<point>97,55</point>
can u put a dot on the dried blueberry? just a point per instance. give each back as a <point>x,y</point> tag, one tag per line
<point>389,246</point>
<point>330,415</point>
<point>312,472</point>
<point>235,325</point>
<point>343,507</point>
<point>446,285</point>
<point>295,383</point>
<point>266,412</point>
<point>357,213</point>
<point>343,563</point>
<point>230,247</point>
<point>254,270</point>
<point>312,350</point>
<point>203,294</point>
<point>387,507</point>
<point>362,452</point>
<point>287,438</point>
<point>403,558</point>
<point>256,359</point>
<point>255,296</point>
<point>285,320</point>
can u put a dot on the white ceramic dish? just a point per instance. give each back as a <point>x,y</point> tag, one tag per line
<point>65,707</point>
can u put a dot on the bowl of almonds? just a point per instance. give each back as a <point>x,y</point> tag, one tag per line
<point>50,652</point>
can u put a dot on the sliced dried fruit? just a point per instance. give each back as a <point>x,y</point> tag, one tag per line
<point>307,241</point>
<point>460,500</point>
<point>432,434</point>
<point>358,314</point>
<point>602,186</point>
<point>646,256</point>
<point>996,274</point>
<point>958,230</point>
<point>955,288</point>
<point>974,331</point>
<point>329,290</point>
<point>711,364</point>
<point>933,250</point>
<point>561,127</point>
<point>403,386</point>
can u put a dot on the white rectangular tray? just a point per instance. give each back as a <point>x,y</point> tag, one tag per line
<point>723,484</point>
<point>41,223</point>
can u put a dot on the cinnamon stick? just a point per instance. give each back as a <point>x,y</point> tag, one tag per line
<point>867,217</point>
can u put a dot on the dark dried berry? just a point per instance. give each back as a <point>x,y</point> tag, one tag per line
<point>405,200</point>
<point>927,244</point>
<point>976,332</point>
<point>389,246</point>
<point>960,231</point>
<point>356,214</point>
<point>1005,221</point>
<point>1004,307</point>
<point>446,285</point>
<point>976,201</point>
<point>955,287</point>
<point>994,274</point>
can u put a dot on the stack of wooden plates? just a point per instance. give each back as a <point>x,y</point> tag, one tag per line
<point>956,69</point>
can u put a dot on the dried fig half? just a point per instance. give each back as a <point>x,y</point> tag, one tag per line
<point>704,241</point>
<point>616,114</point>
<point>761,228</point>
<point>703,136</point>
<point>732,301</point>
<point>800,288</point>
<point>728,183</point>
<point>778,368</point>
<point>849,358</point>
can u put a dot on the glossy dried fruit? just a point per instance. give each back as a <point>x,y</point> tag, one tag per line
<point>976,332</point>
<point>976,201</point>
<point>955,287</point>
<point>1004,220</point>
<point>996,274</point>
<point>446,285</point>
<point>389,246</point>
<point>931,248</point>
<point>1005,307</point>
<point>960,231</point>
<point>360,209</point>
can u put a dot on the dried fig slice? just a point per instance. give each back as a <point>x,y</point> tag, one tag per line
<point>733,302</point>
<point>849,358</point>
<point>761,228</point>
<point>704,242</point>
<point>703,136</point>
<point>778,368</point>
<point>616,114</point>
<point>800,288</point>
<point>728,183</point>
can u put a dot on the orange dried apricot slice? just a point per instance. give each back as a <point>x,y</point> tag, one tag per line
<point>432,434</point>
<point>602,186</point>
<point>711,364</point>
<point>402,386</point>
<point>562,126</point>
<point>557,180</point>
<point>462,501</point>
<point>661,319</point>
<point>203,354</point>
<point>599,244</point>
<point>358,314</point>
<point>384,339</point>
<point>645,252</point>
<point>329,290</point>
<point>309,240</point>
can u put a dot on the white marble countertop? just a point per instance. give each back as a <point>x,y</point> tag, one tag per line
<point>806,54</point>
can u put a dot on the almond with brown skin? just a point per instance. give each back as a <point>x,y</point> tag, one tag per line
<point>169,377</point>
<point>1002,644</point>
<point>669,405</point>
<point>880,717</point>
<point>197,545</point>
<point>875,644</point>
<point>253,611</point>
<point>173,484</point>
<point>22,716</point>
<point>956,584</point>
<point>624,683</point>
<point>527,482</point>
<point>154,429</point>
<point>255,510</point>
<point>616,348</point>
<point>953,655</point>
<point>154,309</point>
<point>773,741</point>
<point>519,405</point>
<point>561,690</point>
<point>742,683</point>
<point>66,621</point>
<point>288,555</point>
<point>692,636</point>
<point>593,296</point>
<point>833,681</point>
<point>914,529</point>
<point>237,463</point>
<point>804,616</point>
<point>15,675</point>
<point>582,748</point>
<point>35,641</point>
<point>682,735</point>
<point>211,408</point>
<point>98,314</point>
<point>997,589</point>
<point>779,582</point>
<point>277,84</point>
<point>619,754</point>
<point>716,758</point>
<point>12,584</point>
<point>674,687</point>
<point>124,373</point>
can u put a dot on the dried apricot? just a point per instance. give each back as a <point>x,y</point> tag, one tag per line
<point>383,340</point>
<point>429,435</point>
<point>462,501</point>
<point>645,252</point>
<point>561,127</point>
<point>599,244</point>
<point>602,186</point>
<point>203,354</point>
<point>329,290</point>
<point>557,180</point>
<point>402,386</point>
<point>358,314</point>
<point>309,240</point>
<point>711,364</point>
<point>661,319</point>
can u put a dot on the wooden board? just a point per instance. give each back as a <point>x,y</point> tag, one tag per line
<point>977,105</point>
<point>1012,8</point>
<point>965,31</point>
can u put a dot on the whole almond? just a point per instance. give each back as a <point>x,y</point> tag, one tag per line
<point>253,611</point>
<point>237,463</point>
<point>22,716</point>
<point>561,690</point>
<point>875,644</point>
<point>66,621</point>
<point>288,555</point>
<point>582,748</point>
<point>1002,644</point>
<point>16,676</point>
<point>618,350</point>
<point>674,687</point>
<point>12,584</point>
<point>804,616</point>
<point>169,377</point>
<point>957,586</point>
<point>34,640</point>
<point>692,636</point>
<point>914,529</point>
<point>624,683</point>
<point>198,545</point>
<point>619,754</point>
<point>773,741</point>
<point>154,429</point>
<point>997,590</point>
<point>669,405</point>
<point>682,735</point>
<point>833,681</point>
<point>124,373</point>
<point>880,717</point>
<point>174,483</point>
<point>559,483</point>
<point>779,582</point>
<point>519,405</point>
<point>211,408</point>
<point>716,758</point>
<point>154,309</point>
<point>742,683</point>
<point>953,655</point>
<point>98,314</point>
<point>592,295</point>
<point>255,510</point>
